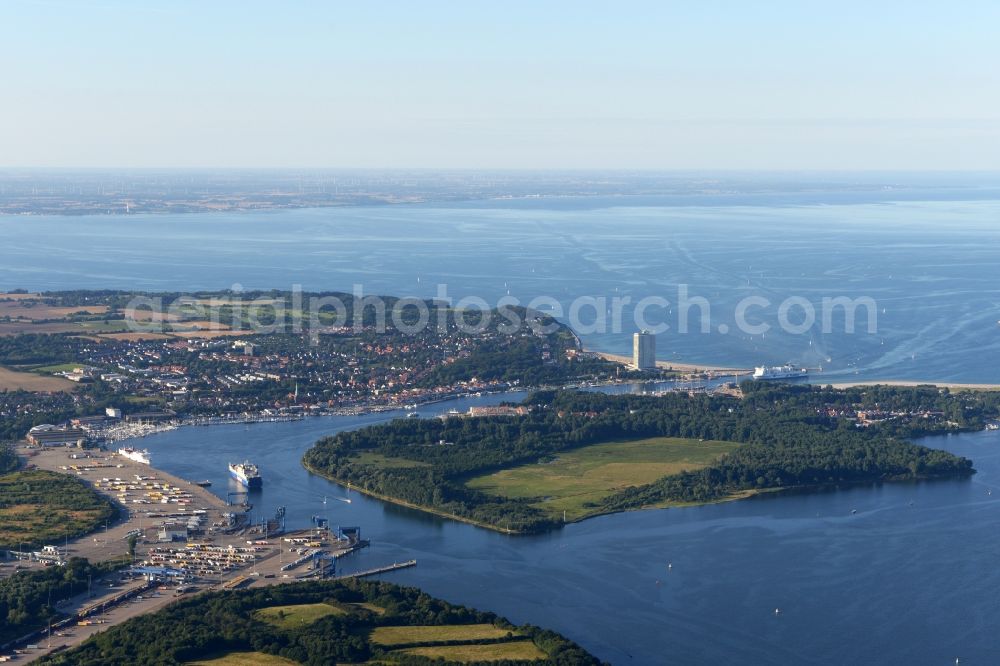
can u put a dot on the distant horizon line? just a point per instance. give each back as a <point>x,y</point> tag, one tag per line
<point>620,170</point>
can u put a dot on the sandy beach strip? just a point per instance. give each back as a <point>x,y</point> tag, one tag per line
<point>911,383</point>
<point>679,366</point>
<point>718,369</point>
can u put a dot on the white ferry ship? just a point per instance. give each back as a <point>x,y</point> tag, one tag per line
<point>779,372</point>
<point>138,455</point>
<point>246,473</point>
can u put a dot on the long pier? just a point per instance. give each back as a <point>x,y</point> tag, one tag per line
<point>378,570</point>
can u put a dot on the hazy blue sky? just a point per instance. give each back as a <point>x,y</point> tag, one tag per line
<point>696,84</point>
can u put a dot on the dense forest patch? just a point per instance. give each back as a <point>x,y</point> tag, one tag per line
<point>28,599</point>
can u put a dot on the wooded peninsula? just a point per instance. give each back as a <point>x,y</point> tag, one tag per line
<point>776,436</point>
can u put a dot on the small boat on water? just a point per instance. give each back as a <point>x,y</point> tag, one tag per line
<point>204,484</point>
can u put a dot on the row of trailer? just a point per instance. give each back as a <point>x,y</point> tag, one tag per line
<point>145,490</point>
<point>203,560</point>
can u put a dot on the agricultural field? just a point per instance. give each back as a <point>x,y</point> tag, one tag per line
<point>378,610</point>
<point>224,302</point>
<point>20,295</point>
<point>56,367</point>
<point>12,380</point>
<point>320,622</point>
<point>101,326</point>
<point>135,336</point>
<point>206,334</point>
<point>244,659</point>
<point>19,327</point>
<point>574,479</point>
<point>509,651</point>
<point>200,325</point>
<point>38,311</point>
<point>35,313</point>
<point>446,633</point>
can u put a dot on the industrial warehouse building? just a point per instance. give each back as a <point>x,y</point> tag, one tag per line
<point>50,435</point>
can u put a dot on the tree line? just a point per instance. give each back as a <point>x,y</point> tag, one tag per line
<point>221,622</point>
<point>28,599</point>
<point>8,458</point>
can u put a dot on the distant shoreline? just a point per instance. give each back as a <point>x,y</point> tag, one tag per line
<point>719,369</point>
<point>910,382</point>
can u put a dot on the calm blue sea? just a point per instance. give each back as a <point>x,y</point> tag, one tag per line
<point>932,268</point>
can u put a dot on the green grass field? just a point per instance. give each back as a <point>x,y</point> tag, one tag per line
<point>243,659</point>
<point>142,400</point>
<point>12,380</point>
<point>514,651</point>
<point>591,473</point>
<point>385,462</point>
<point>378,610</point>
<point>293,617</point>
<point>59,367</point>
<point>407,635</point>
<point>39,507</point>
<point>102,326</point>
